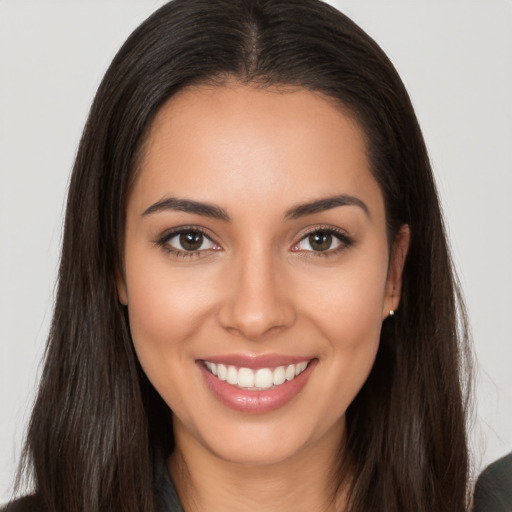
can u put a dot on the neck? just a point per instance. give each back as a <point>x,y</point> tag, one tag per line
<point>206,482</point>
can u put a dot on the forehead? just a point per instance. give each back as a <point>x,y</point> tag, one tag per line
<point>236,139</point>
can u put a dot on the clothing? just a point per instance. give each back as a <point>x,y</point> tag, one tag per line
<point>26,504</point>
<point>166,496</point>
<point>493,490</point>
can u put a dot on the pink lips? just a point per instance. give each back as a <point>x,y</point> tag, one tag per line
<point>256,401</point>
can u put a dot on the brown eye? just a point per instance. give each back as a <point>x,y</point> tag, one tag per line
<point>320,241</point>
<point>188,241</point>
<point>323,241</point>
<point>191,240</point>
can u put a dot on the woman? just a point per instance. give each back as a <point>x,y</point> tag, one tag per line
<point>250,204</point>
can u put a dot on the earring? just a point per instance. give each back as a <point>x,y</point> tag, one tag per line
<point>391,312</point>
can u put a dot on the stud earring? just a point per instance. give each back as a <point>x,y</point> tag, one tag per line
<point>391,312</point>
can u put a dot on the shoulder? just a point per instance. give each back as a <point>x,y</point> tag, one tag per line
<point>493,490</point>
<point>26,504</point>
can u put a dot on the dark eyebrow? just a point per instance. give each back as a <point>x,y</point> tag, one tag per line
<point>186,205</point>
<point>325,204</point>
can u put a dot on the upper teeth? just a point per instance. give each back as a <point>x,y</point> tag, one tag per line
<point>262,378</point>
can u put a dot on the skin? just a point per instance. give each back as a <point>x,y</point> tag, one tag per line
<point>258,287</point>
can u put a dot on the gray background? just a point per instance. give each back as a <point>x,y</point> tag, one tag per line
<point>455,57</point>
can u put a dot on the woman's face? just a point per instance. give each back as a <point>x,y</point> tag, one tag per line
<point>257,271</point>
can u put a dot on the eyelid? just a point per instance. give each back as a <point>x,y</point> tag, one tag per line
<point>178,230</point>
<point>342,235</point>
<point>309,230</point>
<point>163,239</point>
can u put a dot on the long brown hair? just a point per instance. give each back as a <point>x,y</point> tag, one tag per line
<point>97,422</point>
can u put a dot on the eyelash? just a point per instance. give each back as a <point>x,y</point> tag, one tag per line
<point>344,239</point>
<point>163,242</point>
<point>345,242</point>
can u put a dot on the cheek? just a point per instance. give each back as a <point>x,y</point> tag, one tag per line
<point>347,311</point>
<point>353,313</point>
<point>352,324</point>
<point>166,312</point>
<point>166,309</point>
<point>349,298</point>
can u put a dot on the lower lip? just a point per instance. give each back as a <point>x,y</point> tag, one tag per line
<point>256,402</point>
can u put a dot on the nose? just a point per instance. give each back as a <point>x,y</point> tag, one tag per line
<point>256,301</point>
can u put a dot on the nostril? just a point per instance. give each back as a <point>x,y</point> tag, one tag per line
<point>254,330</point>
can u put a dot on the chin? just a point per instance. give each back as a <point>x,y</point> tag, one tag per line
<point>259,453</point>
<point>264,441</point>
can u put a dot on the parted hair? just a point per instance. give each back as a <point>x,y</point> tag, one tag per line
<point>98,423</point>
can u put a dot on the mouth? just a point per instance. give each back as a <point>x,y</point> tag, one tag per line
<point>256,385</point>
<point>259,379</point>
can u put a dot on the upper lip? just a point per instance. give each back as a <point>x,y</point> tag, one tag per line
<point>256,361</point>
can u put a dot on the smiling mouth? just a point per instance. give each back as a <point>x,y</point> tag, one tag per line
<point>260,379</point>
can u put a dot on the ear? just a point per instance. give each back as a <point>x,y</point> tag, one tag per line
<point>395,271</point>
<point>122,291</point>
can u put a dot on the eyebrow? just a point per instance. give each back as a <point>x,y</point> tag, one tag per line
<point>186,205</point>
<point>216,212</point>
<point>324,204</point>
